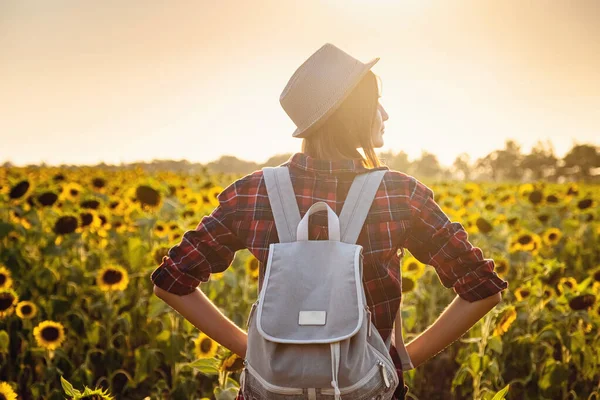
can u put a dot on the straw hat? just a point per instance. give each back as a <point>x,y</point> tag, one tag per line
<point>319,86</point>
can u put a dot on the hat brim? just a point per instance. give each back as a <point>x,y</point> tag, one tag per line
<point>306,131</point>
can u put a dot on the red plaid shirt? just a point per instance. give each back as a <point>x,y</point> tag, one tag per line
<point>403,215</point>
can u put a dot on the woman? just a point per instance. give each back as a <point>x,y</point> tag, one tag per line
<point>333,99</point>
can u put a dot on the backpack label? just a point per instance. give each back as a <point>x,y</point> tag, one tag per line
<point>311,317</point>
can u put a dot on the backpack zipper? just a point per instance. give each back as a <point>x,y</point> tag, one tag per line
<point>369,319</point>
<point>357,385</point>
<point>382,358</point>
<point>384,373</point>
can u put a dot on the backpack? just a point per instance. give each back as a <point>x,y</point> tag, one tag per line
<point>310,334</point>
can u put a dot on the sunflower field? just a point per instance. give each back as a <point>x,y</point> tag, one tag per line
<point>78,318</point>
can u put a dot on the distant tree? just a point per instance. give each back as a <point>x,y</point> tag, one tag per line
<point>541,161</point>
<point>509,160</point>
<point>398,162</point>
<point>427,165</point>
<point>502,164</point>
<point>582,159</point>
<point>462,164</point>
<point>231,164</point>
<point>485,166</point>
<point>276,160</point>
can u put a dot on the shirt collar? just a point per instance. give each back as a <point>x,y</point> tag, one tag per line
<point>307,163</point>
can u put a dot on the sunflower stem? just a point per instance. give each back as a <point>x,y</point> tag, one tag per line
<point>109,303</point>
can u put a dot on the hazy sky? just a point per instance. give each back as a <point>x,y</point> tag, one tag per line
<point>118,81</point>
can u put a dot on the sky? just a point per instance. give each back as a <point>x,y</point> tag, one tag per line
<point>83,82</point>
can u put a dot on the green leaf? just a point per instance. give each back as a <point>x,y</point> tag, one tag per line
<point>93,334</point>
<point>495,344</point>
<point>206,366</point>
<point>409,317</point>
<point>4,341</point>
<point>136,252</point>
<point>164,335</point>
<point>156,307</point>
<point>5,229</point>
<point>475,362</point>
<point>225,394</point>
<point>68,388</point>
<point>501,394</point>
<point>553,372</point>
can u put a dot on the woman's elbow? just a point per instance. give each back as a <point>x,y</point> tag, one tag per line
<point>495,299</point>
<point>159,292</point>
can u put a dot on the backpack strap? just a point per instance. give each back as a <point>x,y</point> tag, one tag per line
<point>358,203</point>
<point>283,202</point>
<point>399,342</point>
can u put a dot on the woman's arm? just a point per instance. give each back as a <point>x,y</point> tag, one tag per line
<point>204,315</point>
<point>456,319</point>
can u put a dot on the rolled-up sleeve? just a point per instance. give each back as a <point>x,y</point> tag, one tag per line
<point>209,248</point>
<point>435,240</point>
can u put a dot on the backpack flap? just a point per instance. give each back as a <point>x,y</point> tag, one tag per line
<point>312,292</point>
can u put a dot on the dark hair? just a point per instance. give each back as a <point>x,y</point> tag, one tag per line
<point>349,127</point>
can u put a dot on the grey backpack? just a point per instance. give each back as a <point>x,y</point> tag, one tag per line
<point>310,334</point>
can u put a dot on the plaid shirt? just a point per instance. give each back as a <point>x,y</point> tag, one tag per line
<point>403,215</point>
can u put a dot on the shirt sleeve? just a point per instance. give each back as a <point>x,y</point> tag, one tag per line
<point>435,240</point>
<point>209,248</point>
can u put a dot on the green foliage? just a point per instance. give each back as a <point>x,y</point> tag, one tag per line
<point>131,344</point>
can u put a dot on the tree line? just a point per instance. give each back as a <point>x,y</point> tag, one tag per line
<point>580,163</point>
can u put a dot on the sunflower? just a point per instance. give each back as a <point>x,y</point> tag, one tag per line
<point>17,218</point>
<point>7,392</point>
<point>508,317</point>
<point>548,293</point>
<point>232,363</point>
<point>584,204</point>
<point>584,326</point>
<point>19,190</point>
<point>5,278</point>
<point>522,293</point>
<point>483,225</point>
<point>525,189</point>
<point>26,309</point>
<point>148,197</point>
<point>536,197</point>
<point>175,235</point>
<point>501,266</point>
<point>112,277</point>
<point>252,267</point>
<point>526,241</point>
<point>47,199</point>
<point>71,191</point>
<point>413,267</point>
<point>543,218</point>
<point>213,194</point>
<point>507,199</point>
<point>161,229</point>
<point>408,284</point>
<point>582,302</point>
<point>8,301</point>
<point>204,346</point>
<point>49,334</point>
<point>159,253</point>
<point>88,393</point>
<point>94,394</point>
<point>552,236</point>
<point>217,276</point>
<point>66,224</point>
<point>565,284</point>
